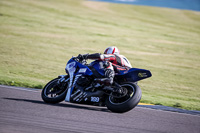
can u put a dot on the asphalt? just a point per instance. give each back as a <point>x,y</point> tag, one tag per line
<point>23,111</point>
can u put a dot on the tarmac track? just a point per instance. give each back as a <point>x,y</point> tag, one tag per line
<point>23,111</point>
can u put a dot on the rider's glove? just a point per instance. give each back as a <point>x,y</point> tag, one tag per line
<point>82,57</point>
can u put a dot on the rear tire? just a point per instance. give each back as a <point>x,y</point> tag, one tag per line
<point>126,103</point>
<point>52,93</point>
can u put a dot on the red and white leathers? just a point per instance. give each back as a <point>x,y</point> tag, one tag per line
<point>113,63</point>
<point>119,62</point>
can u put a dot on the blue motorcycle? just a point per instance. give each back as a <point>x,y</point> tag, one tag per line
<point>78,86</point>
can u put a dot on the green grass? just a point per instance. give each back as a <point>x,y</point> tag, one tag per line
<point>38,37</point>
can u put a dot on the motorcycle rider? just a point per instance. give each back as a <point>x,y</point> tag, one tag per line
<point>113,62</point>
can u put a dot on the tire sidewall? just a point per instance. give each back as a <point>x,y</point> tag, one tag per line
<point>58,99</point>
<point>127,105</point>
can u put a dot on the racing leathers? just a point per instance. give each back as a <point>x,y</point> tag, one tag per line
<point>112,64</point>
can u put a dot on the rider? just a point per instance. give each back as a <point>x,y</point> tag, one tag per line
<point>113,62</point>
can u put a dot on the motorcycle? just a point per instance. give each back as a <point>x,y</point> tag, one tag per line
<point>79,86</point>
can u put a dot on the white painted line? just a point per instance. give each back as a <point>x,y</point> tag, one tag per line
<point>20,88</point>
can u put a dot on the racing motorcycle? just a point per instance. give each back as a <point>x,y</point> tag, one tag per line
<point>79,86</point>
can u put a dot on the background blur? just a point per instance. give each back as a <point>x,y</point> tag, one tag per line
<point>178,4</point>
<point>38,37</point>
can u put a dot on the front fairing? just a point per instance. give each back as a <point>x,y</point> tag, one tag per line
<point>75,70</point>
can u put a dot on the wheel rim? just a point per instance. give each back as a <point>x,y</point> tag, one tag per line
<point>130,94</point>
<point>52,90</point>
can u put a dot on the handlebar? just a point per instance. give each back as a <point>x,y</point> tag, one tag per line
<point>80,60</point>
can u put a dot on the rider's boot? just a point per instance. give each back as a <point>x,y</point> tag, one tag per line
<point>106,84</point>
<point>109,76</point>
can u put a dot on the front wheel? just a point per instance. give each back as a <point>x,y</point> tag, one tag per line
<point>127,102</point>
<point>54,91</point>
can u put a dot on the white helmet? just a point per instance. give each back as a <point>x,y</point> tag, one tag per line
<point>112,50</point>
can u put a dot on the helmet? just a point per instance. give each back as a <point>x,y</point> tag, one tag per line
<point>111,50</point>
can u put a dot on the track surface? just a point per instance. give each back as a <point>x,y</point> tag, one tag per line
<point>23,111</point>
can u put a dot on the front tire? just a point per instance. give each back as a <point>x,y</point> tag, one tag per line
<point>126,103</point>
<point>53,92</point>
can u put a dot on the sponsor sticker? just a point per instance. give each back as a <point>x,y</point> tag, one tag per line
<point>82,70</point>
<point>94,99</point>
<point>142,75</point>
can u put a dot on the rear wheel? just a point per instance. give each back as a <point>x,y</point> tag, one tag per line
<point>127,102</point>
<point>54,91</point>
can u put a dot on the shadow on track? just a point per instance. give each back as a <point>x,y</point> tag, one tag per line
<point>61,105</point>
